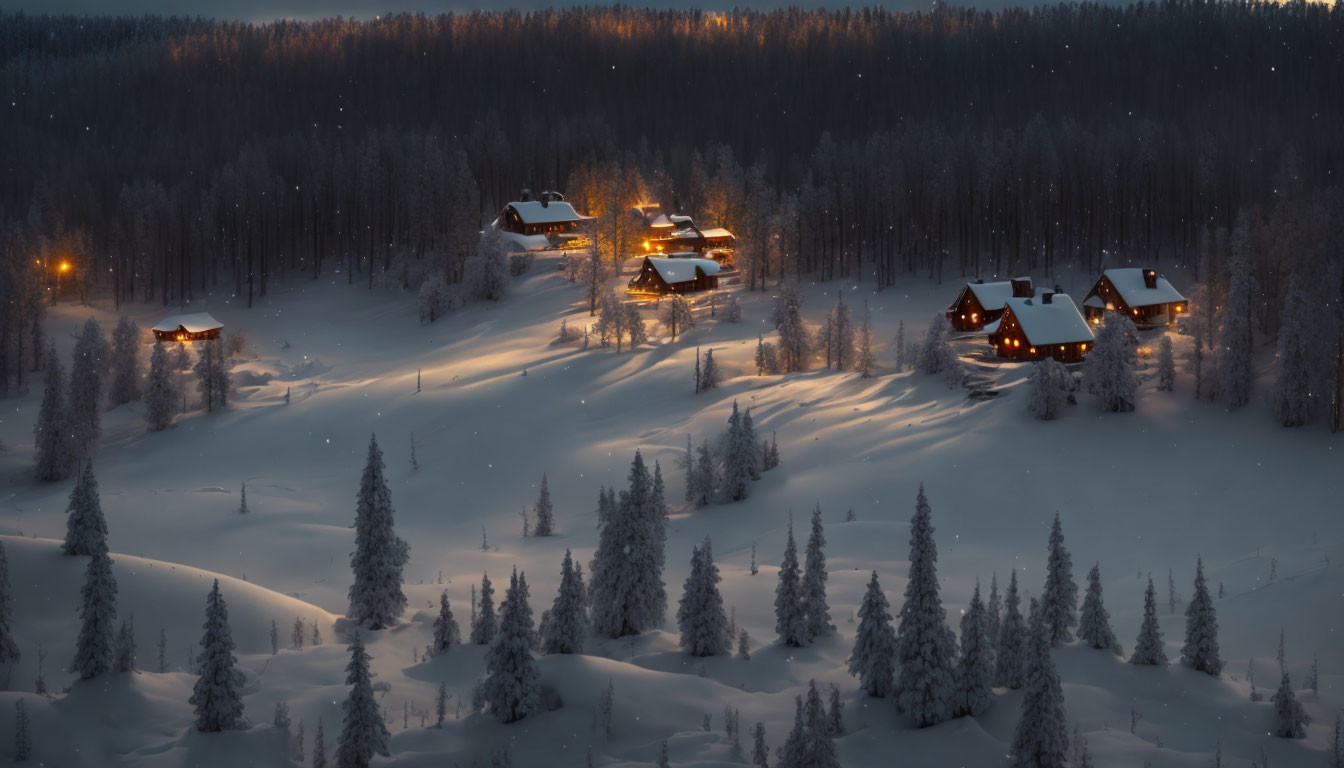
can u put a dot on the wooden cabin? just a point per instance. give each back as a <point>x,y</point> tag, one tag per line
<point>1141,294</point>
<point>981,303</point>
<point>1046,325</point>
<point>683,235</point>
<point>548,222</point>
<point>199,326</point>
<point>653,223</point>
<point>684,273</point>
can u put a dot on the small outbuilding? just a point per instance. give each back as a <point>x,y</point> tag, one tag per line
<point>981,303</point>
<point>1046,325</point>
<point>1141,294</point>
<point>678,274</point>
<point>198,326</point>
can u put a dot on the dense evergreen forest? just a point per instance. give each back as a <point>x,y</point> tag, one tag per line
<point>163,158</point>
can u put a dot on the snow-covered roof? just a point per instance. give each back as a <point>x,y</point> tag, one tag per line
<point>1094,301</point>
<point>1057,322</point>
<point>993,327</point>
<point>682,270</point>
<point>991,295</point>
<point>555,212</point>
<point>716,232</point>
<point>197,322</point>
<point>1129,282</point>
<point>660,221</point>
<point>678,218</point>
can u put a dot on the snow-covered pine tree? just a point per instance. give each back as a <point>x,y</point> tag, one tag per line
<point>747,446</point>
<point>319,746</point>
<point>736,477</point>
<point>125,648</point>
<point>483,623</point>
<point>376,599</point>
<point>23,733</point>
<point>975,668</point>
<point>704,477</point>
<point>810,744</point>
<point>212,375</point>
<point>710,373</point>
<point>545,513</point>
<point>217,697</point>
<point>280,719</point>
<point>1166,365</point>
<point>1296,385</point>
<point>790,617</point>
<point>743,645</point>
<point>1010,656</point>
<point>838,336</point>
<point>296,635</point>
<point>242,496</point>
<point>446,632</point>
<point>568,625</point>
<point>432,298</point>
<point>512,683</point>
<point>771,458</point>
<point>316,637</point>
<point>486,273</point>
<point>1201,628</point>
<point>1290,719</point>
<point>1148,648</point>
<point>51,433</point>
<point>125,362</point>
<point>675,315</point>
<point>925,645</point>
<point>1094,622</point>
<point>87,374</point>
<point>9,648</point>
<point>1042,736</point>
<point>363,731</point>
<point>160,391</point>
<point>700,618</point>
<point>296,745</point>
<point>993,616</point>
<point>760,753</point>
<point>1059,600</point>
<point>1049,389</point>
<point>815,607</point>
<point>633,324</point>
<point>627,593</point>
<point>98,611</point>
<point>1107,372</point>
<point>935,353</point>
<point>1234,340</point>
<point>866,364</point>
<point>85,527</point>
<point>835,713</point>
<point>901,353</point>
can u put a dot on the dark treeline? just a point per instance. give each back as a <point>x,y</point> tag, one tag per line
<point>167,157</point>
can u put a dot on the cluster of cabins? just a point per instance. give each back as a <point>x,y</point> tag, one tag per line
<point>1025,323</point>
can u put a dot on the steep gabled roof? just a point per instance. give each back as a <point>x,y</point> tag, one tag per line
<point>1128,281</point>
<point>197,322</point>
<point>1058,322</point>
<point>991,295</point>
<point>682,270</point>
<point>555,212</point>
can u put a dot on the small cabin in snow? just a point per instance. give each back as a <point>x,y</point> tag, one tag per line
<point>199,326</point>
<point>548,222</point>
<point>1046,325</point>
<point>1141,294</point>
<point>680,234</point>
<point>981,303</point>
<point>682,274</point>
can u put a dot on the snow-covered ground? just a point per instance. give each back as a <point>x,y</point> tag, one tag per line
<point>500,404</point>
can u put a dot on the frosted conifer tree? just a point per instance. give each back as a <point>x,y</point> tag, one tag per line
<point>835,715</point>
<point>545,524</point>
<point>85,527</point>
<point>87,373</point>
<point>1234,341</point>
<point>866,364</point>
<point>925,646</point>
<point>319,746</point>
<point>839,335</point>
<point>486,273</point>
<point>125,650</point>
<point>125,362</point>
<point>675,315</point>
<point>280,719</point>
<point>297,745</point>
<point>363,732</point>
<point>975,669</point>
<point>760,754</point>
<point>1294,387</point>
<point>1049,389</point>
<point>993,616</point>
<point>160,391</point>
<point>512,683</point>
<point>23,734</point>
<point>1290,720</point>
<point>1148,648</point>
<point>1059,600</point>
<point>1042,736</point>
<point>212,375</point>
<point>935,353</point>
<point>376,599</point>
<point>1094,622</point>
<point>795,344</point>
<point>810,744</point>
<point>901,353</point>
<point>242,500</point>
<point>51,433</point>
<point>1012,639</point>
<point>9,649</point>
<point>815,607</point>
<point>704,477</point>
<point>296,635</point>
<point>217,697</point>
<point>446,632</point>
<point>1107,372</point>
<point>98,611</point>
<point>433,298</point>
<point>790,617</point>
<point>627,593</point>
<point>700,618</point>
<point>737,461</point>
<point>1201,629</point>
<point>634,325</point>
<point>1166,365</point>
<point>483,624</point>
<point>568,625</point>
<point>747,446</point>
<point>710,373</point>
<point>1336,746</point>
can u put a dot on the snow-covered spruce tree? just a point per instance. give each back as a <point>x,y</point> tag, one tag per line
<point>633,323</point>
<point>700,618</point>
<point>545,513</point>
<point>125,362</point>
<point>710,373</point>
<point>212,375</point>
<point>770,459</point>
<point>568,625</point>
<point>484,623</point>
<point>935,353</point>
<point>1234,341</point>
<point>925,646</point>
<point>1166,365</point>
<point>512,683</point>
<point>486,272</point>
<point>160,391</point>
<point>363,732</point>
<point>975,668</point>
<point>98,611</point>
<point>85,527</point>
<point>1295,390</point>
<point>1201,629</point>
<point>627,593</point>
<point>704,477</point>
<point>296,636</point>
<point>790,617</point>
<point>795,344</point>
<point>433,298</point>
<point>835,713</point>
<point>1059,599</point>
<point>815,607</point>
<point>124,660</point>
<point>242,500</point>
<point>1336,746</point>
<point>735,480</point>
<point>51,433</point>
<point>865,363</point>
<point>216,696</point>
<point>993,617</point>
<point>376,599</point>
<point>838,338</point>
<point>446,632</point>
<point>899,345</point>
<point>675,315</point>
<point>9,649</point>
<point>1009,658</point>
<point>1290,720</point>
<point>760,753</point>
<point>1094,622</point>
<point>87,373</point>
<point>280,719</point>
<point>747,445</point>
<point>1148,648</point>
<point>1107,372</point>
<point>810,744</point>
<point>1049,389</point>
<point>1042,736</point>
<point>23,733</point>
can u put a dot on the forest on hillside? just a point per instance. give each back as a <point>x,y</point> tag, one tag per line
<point>165,158</point>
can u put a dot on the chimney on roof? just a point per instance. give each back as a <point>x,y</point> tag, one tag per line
<point>1021,287</point>
<point>1058,289</point>
<point>525,195</point>
<point>979,281</point>
<point>1150,278</point>
<point>1047,297</point>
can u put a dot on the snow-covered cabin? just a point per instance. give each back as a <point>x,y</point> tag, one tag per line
<point>981,303</point>
<point>198,326</point>
<point>1142,294</point>
<point>682,273</point>
<point>683,235</point>
<point>549,222</point>
<point>1046,325</point>
<point>654,222</point>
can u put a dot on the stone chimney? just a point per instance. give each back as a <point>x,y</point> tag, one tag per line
<point>1150,278</point>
